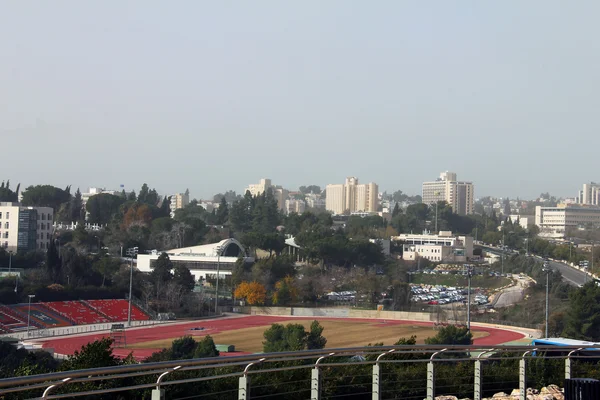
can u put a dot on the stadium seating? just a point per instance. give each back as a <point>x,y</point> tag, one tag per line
<point>117,310</point>
<point>77,312</point>
<point>43,316</point>
<point>11,320</point>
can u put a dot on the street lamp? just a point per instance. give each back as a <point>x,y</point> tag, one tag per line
<point>217,284</point>
<point>131,252</point>
<point>9,261</point>
<point>31,296</point>
<point>546,268</point>
<point>469,275</point>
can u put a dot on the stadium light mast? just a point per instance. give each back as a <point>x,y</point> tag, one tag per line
<point>217,284</point>
<point>31,296</point>
<point>469,275</point>
<point>546,268</point>
<point>131,252</point>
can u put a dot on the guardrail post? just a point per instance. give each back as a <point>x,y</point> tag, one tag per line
<point>158,393</point>
<point>568,363</point>
<point>430,381</point>
<point>431,376</point>
<point>376,387</point>
<point>477,388</point>
<point>315,379</point>
<point>523,376</point>
<point>244,381</point>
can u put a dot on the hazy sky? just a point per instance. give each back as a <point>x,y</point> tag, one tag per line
<point>213,95</point>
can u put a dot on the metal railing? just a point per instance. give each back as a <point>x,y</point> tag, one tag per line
<point>387,372</point>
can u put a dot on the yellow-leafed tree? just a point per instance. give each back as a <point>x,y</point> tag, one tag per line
<point>285,291</point>
<point>253,292</point>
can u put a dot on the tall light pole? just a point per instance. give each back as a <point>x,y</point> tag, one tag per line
<point>217,285</point>
<point>469,275</point>
<point>131,252</point>
<point>31,296</point>
<point>9,261</point>
<point>546,268</point>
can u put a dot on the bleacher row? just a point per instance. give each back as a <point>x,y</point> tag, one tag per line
<point>54,314</point>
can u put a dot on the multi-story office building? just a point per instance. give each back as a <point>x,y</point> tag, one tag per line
<point>351,197</point>
<point>436,248</point>
<point>555,221</point>
<point>280,194</point>
<point>590,194</point>
<point>178,201</point>
<point>25,228</point>
<point>459,195</point>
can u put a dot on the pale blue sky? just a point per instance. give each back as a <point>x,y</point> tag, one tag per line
<point>215,95</point>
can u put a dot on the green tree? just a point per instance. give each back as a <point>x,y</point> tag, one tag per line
<point>183,277</point>
<point>315,338</point>
<point>206,348</point>
<point>76,211</point>
<point>45,196</point>
<point>53,263</point>
<point>93,355</point>
<point>161,273</point>
<point>222,211</point>
<point>241,213</point>
<point>6,194</point>
<point>183,348</point>
<point>451,335</point>
<point>103,207</point>
<point>279,338</point>
<point>583,319</point>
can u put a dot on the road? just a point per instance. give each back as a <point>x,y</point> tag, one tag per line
<point>570,275</point>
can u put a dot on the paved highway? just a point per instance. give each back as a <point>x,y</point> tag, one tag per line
<point>570,275</point>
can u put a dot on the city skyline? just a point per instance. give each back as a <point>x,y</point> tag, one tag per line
<point>212,96</point>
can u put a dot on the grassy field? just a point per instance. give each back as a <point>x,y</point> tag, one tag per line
<point>338,334</point>
<point>482,281</point>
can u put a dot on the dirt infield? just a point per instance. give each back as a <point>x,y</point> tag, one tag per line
<point>246,334</point>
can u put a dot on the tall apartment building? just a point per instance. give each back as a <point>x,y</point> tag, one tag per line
<point>590,194</point>
<point>178,201</point>
<point>294,206</point>
<point>280,194</point>
<point>352,197</point>
<point>25,228</point>
<point>459,195</point>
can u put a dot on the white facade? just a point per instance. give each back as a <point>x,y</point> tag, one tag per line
<point>525,222</point>
<point>294,206</point>
<point>555,221</point>
<point>459,195</point>
<point>201,260</point>
<point>590,194</point>
<point>443,248</point>
<point>352,197</point>
<point>25,228</point>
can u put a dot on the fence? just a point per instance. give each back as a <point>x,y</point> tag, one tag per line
<point>72,330</point>
<point>400,372</point>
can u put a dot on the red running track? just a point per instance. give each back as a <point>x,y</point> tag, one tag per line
<point>68,345</point>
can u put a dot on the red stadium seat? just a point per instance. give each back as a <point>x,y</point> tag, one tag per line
<point>117,310</point>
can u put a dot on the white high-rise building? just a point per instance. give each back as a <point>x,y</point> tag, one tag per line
<point>25,228</point>
<point>459,195</point>
<point>351,197</point>
<point>590,194</point>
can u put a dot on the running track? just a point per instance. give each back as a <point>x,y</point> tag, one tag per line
<point>68,345</point>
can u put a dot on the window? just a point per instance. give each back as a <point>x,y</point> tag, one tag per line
<point>6,225</point>
<point>5,236</point>
<point>48,225</point>
<point>7,215</point>
<point>47,236</point>
<point>43,216</point>
<point>5,244</point>
<point>0,215</point>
